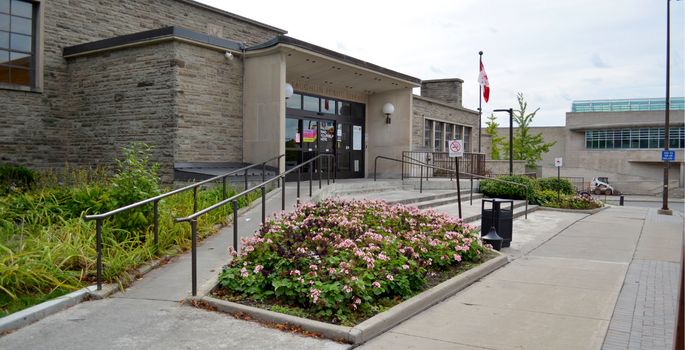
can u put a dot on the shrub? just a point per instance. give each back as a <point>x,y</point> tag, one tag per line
<point>341,259</point>
<point>16,179</point>
<point>552,184</point>
<point>134,181</point>
<point>495,189</point>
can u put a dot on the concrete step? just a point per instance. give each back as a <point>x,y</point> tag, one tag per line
<point>376,189</point>
<point>434,201</point>
<point>353,184</point>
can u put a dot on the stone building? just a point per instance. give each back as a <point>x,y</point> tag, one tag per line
<point>619,139</point>
<point>79,80</point>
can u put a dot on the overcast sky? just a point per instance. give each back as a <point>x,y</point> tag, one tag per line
<point>554,52</point>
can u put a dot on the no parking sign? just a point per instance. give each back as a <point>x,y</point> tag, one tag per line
<point>456,148</point>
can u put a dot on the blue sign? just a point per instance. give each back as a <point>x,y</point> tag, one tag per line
<point>668,156</point>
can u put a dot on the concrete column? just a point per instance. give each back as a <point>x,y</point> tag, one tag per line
<point>264,123</point>
<point>388,140</point>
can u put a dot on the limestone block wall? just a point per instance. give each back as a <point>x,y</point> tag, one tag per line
<point>208,105</point>
<point>437,110</point>
<point>121,97</point>
<point>35,128</point>
<point>445,90</point>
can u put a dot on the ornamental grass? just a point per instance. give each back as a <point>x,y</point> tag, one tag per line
<point>344,260</point>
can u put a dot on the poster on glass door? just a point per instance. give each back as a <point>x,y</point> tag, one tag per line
<point>357,138</point>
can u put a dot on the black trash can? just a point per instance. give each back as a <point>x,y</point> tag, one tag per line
<point>501,214</point>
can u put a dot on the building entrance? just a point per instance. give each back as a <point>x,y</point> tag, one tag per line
<point>325,127</point>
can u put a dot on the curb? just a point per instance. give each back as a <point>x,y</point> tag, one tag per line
<point>576,211</point>
<point>36,312</point>
<point>371,327</point>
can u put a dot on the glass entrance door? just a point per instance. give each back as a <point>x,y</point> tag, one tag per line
<point>349,150</point>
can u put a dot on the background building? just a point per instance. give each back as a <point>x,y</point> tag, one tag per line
<point>618,139</point>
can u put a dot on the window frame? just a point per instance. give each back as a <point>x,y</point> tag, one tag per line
<point>457,129</point>
<point>38,52</point>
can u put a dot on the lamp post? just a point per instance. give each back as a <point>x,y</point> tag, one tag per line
<point>511,137</point>
<point>664,209</point>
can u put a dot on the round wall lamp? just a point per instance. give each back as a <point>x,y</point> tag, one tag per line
<point>228,55</point>
<point>288,91</point>
<point>388,108</point>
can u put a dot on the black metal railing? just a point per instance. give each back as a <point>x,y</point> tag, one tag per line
<point>192,219</point>
<point>472,163</point>
<point>155,200</point>
<point>456,174</point>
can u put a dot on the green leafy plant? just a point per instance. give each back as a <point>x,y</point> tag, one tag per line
<point>135,181</point>
<point>580,202</point>
<point>496,189</point>
<point>552,183</point>
<point>13,179</point>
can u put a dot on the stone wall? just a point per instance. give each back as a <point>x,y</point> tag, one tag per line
<point>445,90</point>
<point>35,130</point>
<point>209,106</point>
<point>436,110</point>
<point>121,97</point>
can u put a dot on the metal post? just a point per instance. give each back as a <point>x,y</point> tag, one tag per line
<point>98,230</point>
<point>480,94</point>
<point>311,179</point>
<point>456,160</point>
<point>668,107</point>
<point>263,204</point>
<point>471,193</point>
<point>328,175</point>
<point>620,202</point>
<point>298,186</point>
<point>319,173</point>
<point>156,224</point>
<point>421,181</point>
<point>263,172</point>
<point>194,200</point>
<point>224,187</point>
<point>282,193</point>
<point>235,225</point>
<point>246,180</point>
<point>193,225</point>
<point>511,141</point>
<point>558,184</point>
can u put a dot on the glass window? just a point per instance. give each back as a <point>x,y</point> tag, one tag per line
<point>448,136</point>
<point>294,102</point>
<point>17,60</point>
<point>344,108</point>
<point>293,136</point>
<point>438,137</point>
<point>427,131</point>
<point>327,105</point>
<point>310,103</point>
<point>358,110</point>
<point>467,139</point>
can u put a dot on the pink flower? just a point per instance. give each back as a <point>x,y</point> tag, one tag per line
<point>313,267</point>
<point>405,266</point>
<point>457,257</point>
<point>245,274</point>
<point>390,277</point>
<point>376,284</point>
<point>347,289</point>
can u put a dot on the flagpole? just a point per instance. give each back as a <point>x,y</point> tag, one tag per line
<point>480,97</point>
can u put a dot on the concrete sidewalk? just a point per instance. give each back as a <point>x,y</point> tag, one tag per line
<point>565,287</point>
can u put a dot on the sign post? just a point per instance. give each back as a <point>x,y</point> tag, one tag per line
<point>456,151</point>
<point>558,162</point>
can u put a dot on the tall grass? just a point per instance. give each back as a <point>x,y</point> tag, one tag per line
<point>47,249</point>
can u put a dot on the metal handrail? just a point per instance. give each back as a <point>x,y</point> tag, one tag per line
<point>100,217</point>
<point>422,164</point>
<point>192,219</point>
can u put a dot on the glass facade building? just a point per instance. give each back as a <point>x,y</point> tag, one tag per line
<point>634,104</point>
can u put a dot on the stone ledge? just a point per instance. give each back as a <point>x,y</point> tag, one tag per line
<point>576,211</point>
<point>371,327</point>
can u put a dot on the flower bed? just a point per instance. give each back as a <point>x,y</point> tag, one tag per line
<point>581,202</point>
<point>343,261</point>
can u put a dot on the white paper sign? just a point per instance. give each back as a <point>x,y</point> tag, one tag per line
<point>557,161</point>
<point>357,138</point>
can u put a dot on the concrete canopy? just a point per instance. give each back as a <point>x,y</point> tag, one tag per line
<point>322,67</point>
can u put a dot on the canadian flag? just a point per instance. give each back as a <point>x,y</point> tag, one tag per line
<point>483,81</point>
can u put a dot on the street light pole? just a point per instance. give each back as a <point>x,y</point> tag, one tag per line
<point>664,209</point>
<point>511,137</point>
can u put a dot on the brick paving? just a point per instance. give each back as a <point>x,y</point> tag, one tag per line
<point>644,317</point>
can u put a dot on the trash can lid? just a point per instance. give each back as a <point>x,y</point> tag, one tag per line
<point>498,200</point>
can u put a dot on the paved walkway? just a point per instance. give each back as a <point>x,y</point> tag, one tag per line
<point>572,277</point>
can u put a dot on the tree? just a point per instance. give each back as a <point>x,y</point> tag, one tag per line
<point>497,141</point>
<point>527,146</point>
